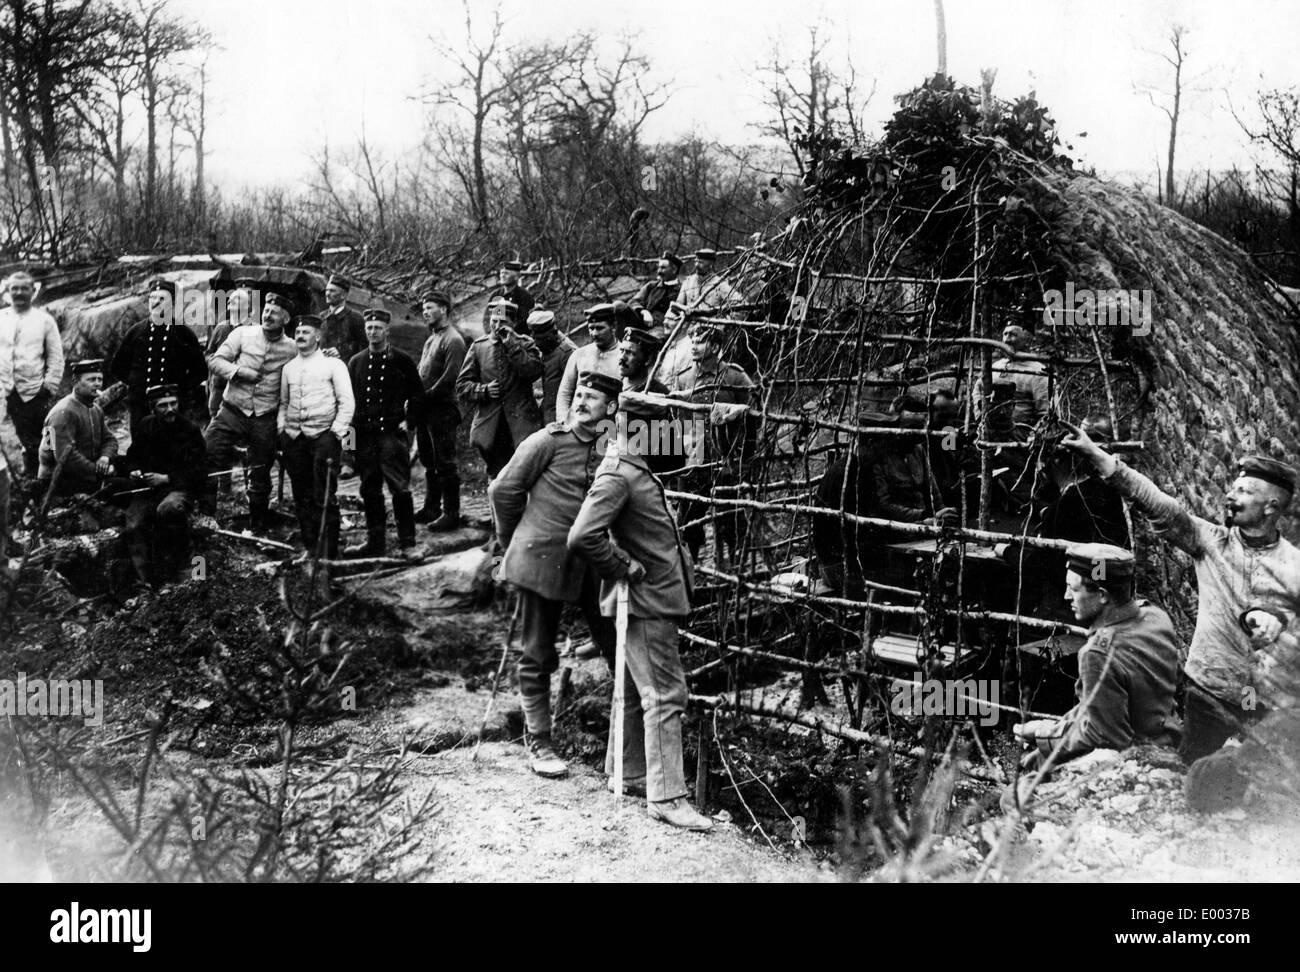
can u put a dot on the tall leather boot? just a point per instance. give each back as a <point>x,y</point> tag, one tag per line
<point>259,515</point>
<point>450,518</point>
<point>404,514</point>
<point>432,508</point>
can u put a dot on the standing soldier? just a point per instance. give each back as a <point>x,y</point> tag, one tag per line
<point>316,407</point>
<point>705,288</point>
<point>386,385</point>
<point>725,386</point>
<point>76,425</point>
<point>1128,667</point>
<point>655,425</point>
<point>626,503</point>
<point>658,295</point>
<point>604,328</point>
<point>1248,579</point>
<point>31,364</point>
<point>534,502</point>
<point>240,310</point>
<point>166,463</point>
<point>438,414</point>
<point>250,361</point>
<point>497,378</point>
<point>161,351</point>
<point>510,290</point>
<point>343,331</point>
<point>556,349</point>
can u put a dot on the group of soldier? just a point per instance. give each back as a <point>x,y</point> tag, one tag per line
<point>337,394</point>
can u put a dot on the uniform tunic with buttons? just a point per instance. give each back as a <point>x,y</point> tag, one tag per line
<point>343,330</point>
<point>160,354</point>
<point>535,499</point>
<point>383,384</point>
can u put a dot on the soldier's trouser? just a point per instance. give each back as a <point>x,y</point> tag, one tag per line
<point>231,428</point>
<point>730,526</point>
<point>306,461</point>
<point>384,457</point>
<point>654,698</point>
<point>29,420</point>
<point>539,625</point>
<point>1209,722</point>
<point>498,454</point>
<point>159,521</point>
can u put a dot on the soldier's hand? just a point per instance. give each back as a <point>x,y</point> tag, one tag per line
<point>245,373</point>
<point>947,517</point>
<point>1082,443</point>
<point>157,479</point>
<point>493,388</point>
<point>1263,628</point>
<point>331,353</point>
<point>723,413</point>
<point>103,465</point>
<point>635,571</point>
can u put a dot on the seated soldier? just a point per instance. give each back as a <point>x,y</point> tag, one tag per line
<point>76,434</point>
<point>166,461</point>
<point>1128,667</point>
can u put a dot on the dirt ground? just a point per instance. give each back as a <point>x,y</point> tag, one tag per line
<point>423,670</point>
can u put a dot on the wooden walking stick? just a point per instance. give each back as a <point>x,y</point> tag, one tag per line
<point>496,679</point>
<point>617,448</point>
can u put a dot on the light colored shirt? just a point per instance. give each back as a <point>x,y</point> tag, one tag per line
<point>706,292</point>
<point>586,358</point>
<point>1231,577</point>
<point>31,353</point>
<point>315,396</point>
<point>247,347</point>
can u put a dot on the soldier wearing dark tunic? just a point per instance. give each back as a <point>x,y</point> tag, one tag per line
<point>535,499</point>
<point>511,291</point>
<point>75,426</point>
<point>658,295</point>
<point>166,464</point>
<point>1128,667</point>
<point>161,350</point>
<point>556,350</point>
<point>497,380</point>
<point>342,330</point>
<point>385,384</point>
<point>438,414</point>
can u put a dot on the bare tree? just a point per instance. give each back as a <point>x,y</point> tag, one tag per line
<point>1277,133</point>
<point>1170,100</point>
<point>941,39</point>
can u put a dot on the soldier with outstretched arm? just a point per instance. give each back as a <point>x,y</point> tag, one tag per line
<point>1248,577</point>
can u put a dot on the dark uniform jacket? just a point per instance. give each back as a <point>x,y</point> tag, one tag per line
<point>344,331</point>
<point>535,500</point>
<point>521,298</point>
<point>516,363</point>
<point>653,429</point>
<point>160,354</point>
<point>728,384</point>
<point>174,449</point>
<point>656,296</point>
<point>553,362</point>
<point>1135,700</point>
<point>70,423</point>
<point>627,502</point>
<point>383,385</point>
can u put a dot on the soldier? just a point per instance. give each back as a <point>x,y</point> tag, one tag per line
<point>657,295</point>
<point>534,502</point>
<point>497,378</point>
<point>626,503</point>
<point>161,351</point>
<point>653,425</point>
<point>438,414</point>
<point>343,330</point>
<point>76,425</point>
<point>386,385</point>
<point>725,386</point>
<point>1128,667</point>
<point>511,291</point>
<point>241,309</point>
<point>5,489</point>
<point>1030,402</point>
<point>166,463</point>
<point>250,361</point>
<point>1245,569</point>
<point>556,349</point>
<point>31,364</point>
<point>316,406</point>
<point>604,329</point>
<point>705,288</point>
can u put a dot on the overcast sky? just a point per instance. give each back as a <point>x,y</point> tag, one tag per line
<point>295,73</point>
